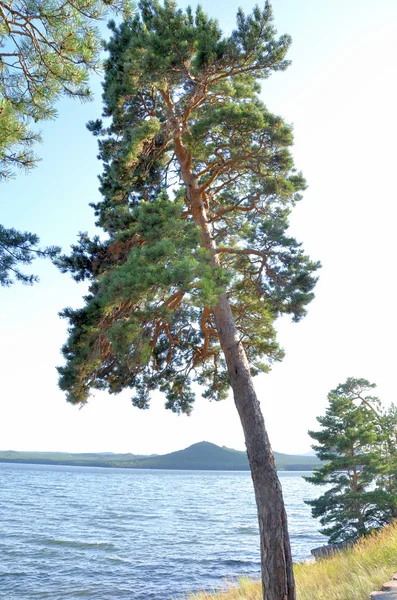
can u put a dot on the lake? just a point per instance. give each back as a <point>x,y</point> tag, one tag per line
<point>117,534</point>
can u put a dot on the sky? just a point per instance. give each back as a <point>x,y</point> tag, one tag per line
<point>340,94</point>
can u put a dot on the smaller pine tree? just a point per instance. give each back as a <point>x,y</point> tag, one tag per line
<point>348,443</point>
<point>385,463</point>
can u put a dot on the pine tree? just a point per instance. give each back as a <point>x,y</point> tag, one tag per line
<point>384,460</point>
<point>47,49</point>
<point>197,187</point>
<point>385,463</point>
<point>349,444</point>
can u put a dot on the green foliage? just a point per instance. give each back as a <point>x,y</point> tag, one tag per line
<point>175,85</point>
<point>18,248</point>
<point>385,463</point>
<point>356,443</point>
<point>47,49</point>
<point>158,275</point>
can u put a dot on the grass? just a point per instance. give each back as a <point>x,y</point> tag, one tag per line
<point>348,575</point>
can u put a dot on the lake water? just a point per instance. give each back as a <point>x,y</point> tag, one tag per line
<point>115,534</point>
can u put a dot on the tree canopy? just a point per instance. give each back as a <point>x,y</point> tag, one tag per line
<point>148,322</point>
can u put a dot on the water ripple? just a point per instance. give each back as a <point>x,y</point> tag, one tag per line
<point>94,534</point>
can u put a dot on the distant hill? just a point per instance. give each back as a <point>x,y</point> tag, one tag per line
<point>201,456</point>
<point>205,455</point>
<point>89,459</point>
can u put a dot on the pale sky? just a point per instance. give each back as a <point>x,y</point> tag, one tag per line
<point>340,94</point>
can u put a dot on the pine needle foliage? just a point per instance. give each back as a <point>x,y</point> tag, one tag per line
<point>20,248</point>
<point>148,321</point>
<point>384,464</point>
<point>47,49</point>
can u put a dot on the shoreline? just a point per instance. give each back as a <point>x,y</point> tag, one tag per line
<point>55,463</point>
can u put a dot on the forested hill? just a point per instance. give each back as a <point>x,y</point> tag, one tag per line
<point>201,456</point>
<point>205,455</point>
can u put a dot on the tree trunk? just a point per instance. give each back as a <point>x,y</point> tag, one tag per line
<point>276,560</point>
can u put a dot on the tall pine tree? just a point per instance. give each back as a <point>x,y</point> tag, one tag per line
<point>197,187</point>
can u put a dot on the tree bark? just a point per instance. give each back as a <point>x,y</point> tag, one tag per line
<point>276,561</point>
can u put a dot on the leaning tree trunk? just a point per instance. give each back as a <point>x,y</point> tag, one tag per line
<point>276,561</point>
